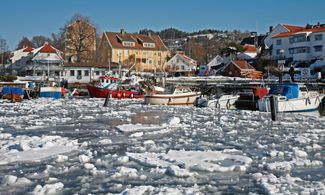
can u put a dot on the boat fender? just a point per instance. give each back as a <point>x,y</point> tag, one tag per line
<point>317,99</point>
<point>217,104</point>
<point>308,100</point>
<point>228,104</point>
<point>131,95</point>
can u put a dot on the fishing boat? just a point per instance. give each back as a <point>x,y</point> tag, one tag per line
<point>248,98</point>
<point>116,89</point>
<point>16,92</point>
<point>216,101</point>
<point>291,98</point>
<point>173,95</point>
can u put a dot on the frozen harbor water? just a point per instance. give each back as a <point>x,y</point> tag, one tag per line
<point>79,146</point>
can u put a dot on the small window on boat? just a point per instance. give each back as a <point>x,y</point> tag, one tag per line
<point>102,80</point>
<point>107,81</point>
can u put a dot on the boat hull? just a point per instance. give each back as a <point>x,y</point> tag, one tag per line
<point>291,105</point>
<point>163,99</point>
<point>98,92</point>
<point>51,92</point>
<point>225,101</point>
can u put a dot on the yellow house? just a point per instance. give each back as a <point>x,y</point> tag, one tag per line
<point>138,52</point>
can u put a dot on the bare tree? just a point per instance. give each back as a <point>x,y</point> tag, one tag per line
<point>39,40</point>
<point>81,38</point>
<point>24,42</point>
<point>3,49</point>
<point>58,40</point>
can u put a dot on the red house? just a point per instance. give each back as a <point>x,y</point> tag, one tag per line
<point>238,68</point>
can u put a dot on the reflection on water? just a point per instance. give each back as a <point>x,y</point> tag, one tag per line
<point>149,118</point>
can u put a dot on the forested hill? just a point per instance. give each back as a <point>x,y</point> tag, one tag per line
<point>172,33</point>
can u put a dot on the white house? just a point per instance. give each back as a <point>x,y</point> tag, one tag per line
<point>41,61</point>
<point>280,28</point>
<point>301,45</point>
<point>216,61</point>
<point>82,72</point>
<point>250,52</point>
<point>181,64</point>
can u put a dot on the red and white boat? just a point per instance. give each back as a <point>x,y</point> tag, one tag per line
<point>117,90</point>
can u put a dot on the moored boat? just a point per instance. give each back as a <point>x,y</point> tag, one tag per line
<point>173,96</point>
<point>216,101</point>
<point>17,93</point>
<point>51,92</point>
<point>291,98</point>
<point>248,98</point>
<point>110,85</point>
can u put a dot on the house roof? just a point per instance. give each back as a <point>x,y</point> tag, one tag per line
<point>116,40</point>
<point>250,48</point>
<point>304,30</point>
<point>47,49</point>
<point>91,64</point>
<point>28,49</point>
<point>242,64</point>
<point>189,60</point>
<point>251,40</point>
<point>292,28</point>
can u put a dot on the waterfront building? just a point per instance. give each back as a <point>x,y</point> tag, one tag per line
<point>138,52</point>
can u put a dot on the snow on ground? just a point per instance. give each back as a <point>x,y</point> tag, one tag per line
<point>78,146</point>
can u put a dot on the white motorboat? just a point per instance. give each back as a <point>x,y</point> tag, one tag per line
<point>173,96</point>
<point>216,101</point>
<point>291,98</point>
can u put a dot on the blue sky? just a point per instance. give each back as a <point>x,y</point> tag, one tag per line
<point>38,17</point>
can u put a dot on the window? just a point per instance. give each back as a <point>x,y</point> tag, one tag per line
<point>144,61</point>
<point>148,45</point>
<point>103,72</point>
<point>128,43</point>
<point>150,53</point>
<point>318,37</point>
<point>150,61</point>
<point>119,52</point>
<point>144,53</point>
<point>297,39</point>
<point>278,52</point>
<point>159,62</point>
<point>109,52</point>
<point>79,73</point>
<point>86,72</point>
<point>318,48</point>
<point>159,53</point>
<point>182,67</point>
<point>71,72</point>
<point>297,50</point>
<point>279,42</point>
<point>97,73</point>
<point>136,52</point>
<point>126,53</point>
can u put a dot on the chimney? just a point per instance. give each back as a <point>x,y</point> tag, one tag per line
<point>149,33</point>
<point>318,24</point>
<point>271,28</point>
<point>122,31</point>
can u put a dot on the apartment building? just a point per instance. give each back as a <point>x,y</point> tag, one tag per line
<point>302,44</point>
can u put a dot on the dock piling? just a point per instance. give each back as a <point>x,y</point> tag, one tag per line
<point>274,112</point>
<point>107,99</point>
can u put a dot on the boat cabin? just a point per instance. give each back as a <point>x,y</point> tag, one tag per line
<point>252,93</point>
<point>288,90</point>
<point>107,82</point>
<point>177,90</point>
<point>291,91</point>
